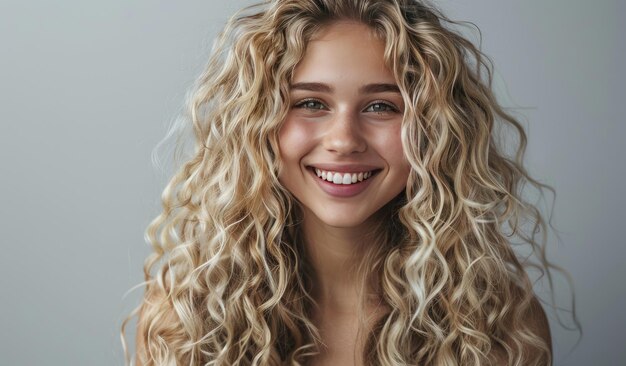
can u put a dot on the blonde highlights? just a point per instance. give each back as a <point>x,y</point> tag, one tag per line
<point>228,282</point>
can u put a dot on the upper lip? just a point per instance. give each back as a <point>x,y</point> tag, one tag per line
<point>344,168</point>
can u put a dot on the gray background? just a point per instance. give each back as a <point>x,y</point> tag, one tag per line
<point>87,90</point>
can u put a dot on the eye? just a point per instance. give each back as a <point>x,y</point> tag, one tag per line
<point>312,104</point>
<point>381,107</point>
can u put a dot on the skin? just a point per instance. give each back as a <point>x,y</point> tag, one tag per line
<point>337,117</point>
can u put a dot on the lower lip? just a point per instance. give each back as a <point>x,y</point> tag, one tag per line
<point>342,190</point>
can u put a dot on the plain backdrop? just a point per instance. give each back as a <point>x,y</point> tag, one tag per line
<point>87,90</point>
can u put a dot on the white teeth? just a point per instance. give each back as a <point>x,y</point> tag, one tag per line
<point>342,178</point>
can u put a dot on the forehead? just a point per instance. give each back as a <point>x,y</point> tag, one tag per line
<point>344,27</point>
<point>341,49</point>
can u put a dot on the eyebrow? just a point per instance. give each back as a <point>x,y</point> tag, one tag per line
<point>379,88</point>
<point>365,89</point>
<point>316,87</point>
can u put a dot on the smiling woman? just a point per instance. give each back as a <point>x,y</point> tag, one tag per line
<point>347,203</point>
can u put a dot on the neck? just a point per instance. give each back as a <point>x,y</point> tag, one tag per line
<point>335,254</point>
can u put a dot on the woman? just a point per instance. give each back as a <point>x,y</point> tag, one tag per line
<point>347,202</point>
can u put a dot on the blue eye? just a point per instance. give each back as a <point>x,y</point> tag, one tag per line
<point>381,107</point>
<point>311,104</point>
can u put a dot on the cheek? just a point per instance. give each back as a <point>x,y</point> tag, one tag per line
<point>390,143</point>
<point>293,139</point>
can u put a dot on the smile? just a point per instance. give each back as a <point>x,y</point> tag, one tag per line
<point>342,178</point>
<point>344,184</point>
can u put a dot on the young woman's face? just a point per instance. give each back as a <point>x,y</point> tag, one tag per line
<point>340,143</point>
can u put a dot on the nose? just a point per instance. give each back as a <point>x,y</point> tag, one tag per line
<point>344,135</point>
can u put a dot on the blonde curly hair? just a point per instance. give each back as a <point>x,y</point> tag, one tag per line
<point>229,283</point>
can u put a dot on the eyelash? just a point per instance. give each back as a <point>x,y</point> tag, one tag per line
<point>302,104</point>
<point>389,107</point>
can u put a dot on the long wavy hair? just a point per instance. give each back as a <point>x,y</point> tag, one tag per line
<point>229,283</point>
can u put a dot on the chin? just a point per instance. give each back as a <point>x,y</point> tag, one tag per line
<point>340,218</point>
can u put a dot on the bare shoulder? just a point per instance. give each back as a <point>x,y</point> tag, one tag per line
<point>149,298</point>
<point>535,318</point>
<point>140,343</point>
<point>154,302</point>
<point>538,321</point>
